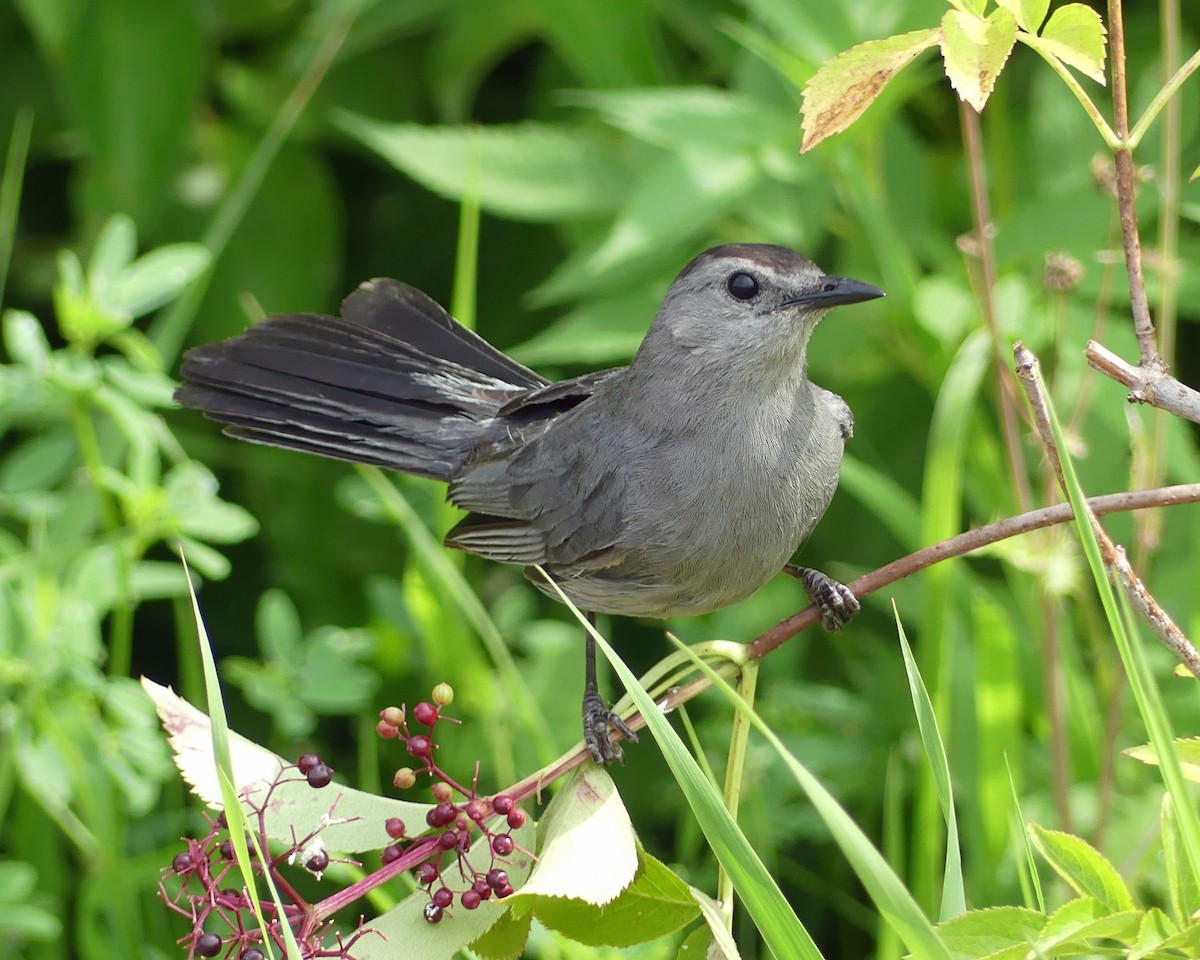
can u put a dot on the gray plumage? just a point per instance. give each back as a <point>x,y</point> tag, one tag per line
<point>676,485</point>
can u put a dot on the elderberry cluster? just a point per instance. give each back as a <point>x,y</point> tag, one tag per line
<point>212,896</point>
<point>449,873</point>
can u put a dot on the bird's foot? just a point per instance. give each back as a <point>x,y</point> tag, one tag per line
<point>837,604</point>
<point>598,721</point>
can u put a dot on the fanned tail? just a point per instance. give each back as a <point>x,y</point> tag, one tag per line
<point>394,382</point>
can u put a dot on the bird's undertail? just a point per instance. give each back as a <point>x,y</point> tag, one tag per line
<point>394,382</point>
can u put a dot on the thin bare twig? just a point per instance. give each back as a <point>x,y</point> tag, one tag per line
<point>1114,558</point>
<point>1146,384</point>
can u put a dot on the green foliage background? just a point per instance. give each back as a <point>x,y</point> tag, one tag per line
<point>606,144</point>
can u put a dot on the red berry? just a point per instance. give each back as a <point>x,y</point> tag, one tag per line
<point>476,809</point>
<point>503,845</point>
<point>496,878</point>
<point>307,762</point>
<point>469,899</point>
<point>208,945</point>
<point>441,815</point>
<point>516,818</point>
<point>386,731</point>
<point>504,891</point>
<point>443,897</point>
<point>448,840</point>
<point>481,887</point>
<point>181,862</point>
<point>425,714</point>
<point>420,746</point>
<point>390,853</point>
<point>426,873</point>
<point>394,827</point>
<point>433,913</point>
<point>319,776</point>
<point>502,803</point>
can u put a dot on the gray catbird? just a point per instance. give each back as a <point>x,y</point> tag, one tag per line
<point>676,485</point>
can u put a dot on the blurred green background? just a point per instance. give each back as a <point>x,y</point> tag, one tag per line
<point>605,144</point>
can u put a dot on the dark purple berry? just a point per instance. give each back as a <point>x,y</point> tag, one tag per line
<point>504,891</point>
<point>391,852</point>
<point>516,818</point>
<point>319,776</point>
<point>497,878</point>
<point>208,945</point>
<point>426,873</point>
<point>181,862</point>
<point>226,850</point>
<point>448,840</point>
<point>433,913</point>
<point>425,714</point>
<point>251,953</point>
<point>502,803</point>
<point>443,897</point>
<point>503,845</point>
<point>318,862</point>
<point>307,762</point>
<point>420,747</point>
<point>394,827</point>
<point>441,815</point>
<point>469,899</point>
<point>481,887</point>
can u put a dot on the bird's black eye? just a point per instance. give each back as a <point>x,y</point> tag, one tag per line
<point>742,286</point>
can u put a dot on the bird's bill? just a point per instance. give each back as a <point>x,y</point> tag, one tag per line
<point>835,291</point>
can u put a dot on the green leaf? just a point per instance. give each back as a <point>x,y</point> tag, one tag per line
<point>585,823</point>
<point>296,809</point>
<point>25,340</point>
<point>981,933</point>
<point>655,904</point>
<point>1077,921</point>
<point>1188,749</point>
<point>193,504</point>
<point>38,463</point>
<point>506,938</point>
<point>1182,883</point>
<point>1030,14</point>
<point>113,251</point>
<point>1082,866</point>
<point>975,51</point>
<point>718,941</point>
<point>404,932</point>
<point>1075,34</point>
<point>696,116</point>
<point>157,277</point>
<point>842,89</point>
<point>528,171</point>
<point>1156,928</point>
<point>954,900</point>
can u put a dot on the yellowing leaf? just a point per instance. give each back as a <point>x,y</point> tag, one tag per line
<point>1075,34</point>
<point>585,823</point>
<point>1188,749</point>
<point>1029,13</point>
<point>842,89</point>
<point>975,51</point>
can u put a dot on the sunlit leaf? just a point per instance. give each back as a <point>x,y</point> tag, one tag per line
<point>975,51</point>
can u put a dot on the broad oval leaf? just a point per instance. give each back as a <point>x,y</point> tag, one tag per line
<point>975,51</point>
<point>981,933</point>
<point>526,171</point>
<point>1030,14</point>
<point>1075,34</point>
<point>842,89</point>
<point>1082,866</point>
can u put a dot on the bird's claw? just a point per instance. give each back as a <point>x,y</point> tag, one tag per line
<point>837,604</point>
<point>598,721</point>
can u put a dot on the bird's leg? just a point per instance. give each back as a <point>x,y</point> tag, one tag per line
<point>837,604</point>
<point>598,720</point>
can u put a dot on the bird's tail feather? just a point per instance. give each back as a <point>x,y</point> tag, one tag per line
<point>394,382</point>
